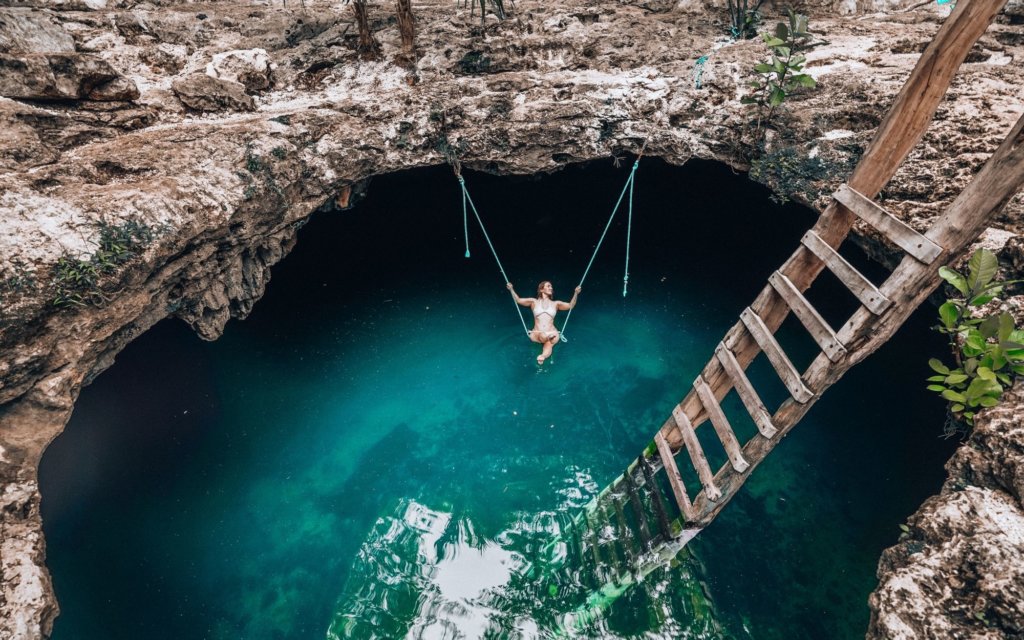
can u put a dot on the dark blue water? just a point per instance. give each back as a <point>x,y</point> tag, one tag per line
<point>374,453</point>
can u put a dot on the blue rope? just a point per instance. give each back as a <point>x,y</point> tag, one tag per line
<point>698,68</point>
<point>628,185</point>
<point>625,279</point>
<point>465,199</point>
<point>629,229</point>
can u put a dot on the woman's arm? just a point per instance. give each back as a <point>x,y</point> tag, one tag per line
<point>565,306</point>
<point>526,302</point>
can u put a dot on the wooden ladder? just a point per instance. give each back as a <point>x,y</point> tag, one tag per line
<point>882,310</point>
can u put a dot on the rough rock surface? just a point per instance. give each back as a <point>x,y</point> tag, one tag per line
<point>957,572</point>
<point>219,195</point>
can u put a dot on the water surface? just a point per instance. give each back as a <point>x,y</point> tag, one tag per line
<point>374,453</point>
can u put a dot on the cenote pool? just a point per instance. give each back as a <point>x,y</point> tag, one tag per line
<point>374,453</point>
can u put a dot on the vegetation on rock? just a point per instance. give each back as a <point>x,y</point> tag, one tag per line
<point>988,349</point>
<point>77,281</point>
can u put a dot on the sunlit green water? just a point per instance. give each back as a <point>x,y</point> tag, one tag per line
<point>374,453</point>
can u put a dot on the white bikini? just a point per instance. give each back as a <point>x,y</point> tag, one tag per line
<point>537,311</point>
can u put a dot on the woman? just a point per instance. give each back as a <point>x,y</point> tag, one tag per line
<point>544,309</point>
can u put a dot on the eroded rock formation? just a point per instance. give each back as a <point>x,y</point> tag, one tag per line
<point>220,127</point>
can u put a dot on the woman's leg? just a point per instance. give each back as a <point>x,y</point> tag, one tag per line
<point>549,344</point>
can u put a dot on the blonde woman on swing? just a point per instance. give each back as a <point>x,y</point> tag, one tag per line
<point>544,309</point>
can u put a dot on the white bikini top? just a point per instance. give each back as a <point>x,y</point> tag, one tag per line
<point>537,310</point>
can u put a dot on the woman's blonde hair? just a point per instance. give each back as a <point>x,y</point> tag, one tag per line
<point>540,286</point>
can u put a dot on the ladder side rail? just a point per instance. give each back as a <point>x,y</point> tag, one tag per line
<point>908,286</point>
<point>900,130</point>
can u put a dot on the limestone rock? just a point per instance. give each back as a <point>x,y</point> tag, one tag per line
<point>27,31</point>
<point>250,67</point>
<point>959,573</point>
<point>62,77</point>
<point>201,92</point>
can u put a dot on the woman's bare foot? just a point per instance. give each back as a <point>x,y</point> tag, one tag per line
<point>540,360</point>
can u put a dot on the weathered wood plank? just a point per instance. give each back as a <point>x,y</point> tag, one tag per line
<point>656,502</point>
<point>771,348</point>
<point>895,230</point>
<point>626,536</point>
<point>808,316</point>
<point>721,425</point>
<point>867,293</point>
<point>758,412</point>
<point>638,514</point>
<point>697,457</point>
<point>668,461</point>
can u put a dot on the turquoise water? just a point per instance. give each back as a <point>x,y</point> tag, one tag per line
<point>373,453</point>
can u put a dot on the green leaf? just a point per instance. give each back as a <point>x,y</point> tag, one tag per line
<point>937,366</point>
<point>781,31</point>
<point>955,378</point>
<point>763,68</point>
<point>778,95</point>
<point>950,314</point>
<point>936,378</point>
<point>949,394</point>
<point>772,42</point>
<point>957,408</point>
<point>989,327</point>
<point>982,268</point>
<point>980,300</point>
<point>985,373</point>
<point>783,51</point>
<point>988,401</point>
<point>938,388</point>
<point>954,278</point>
<point>806,81</point>
<point>904,528</point>
<point>970,365</point>
<point>748,100</point>
<point>1006,326</point>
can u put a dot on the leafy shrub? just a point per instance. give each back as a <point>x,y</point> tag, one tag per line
<point>988,350</point>
<point>781,75</point>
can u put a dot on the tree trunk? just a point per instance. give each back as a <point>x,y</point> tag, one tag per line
<point>368,48</point>
<point>407,27</point>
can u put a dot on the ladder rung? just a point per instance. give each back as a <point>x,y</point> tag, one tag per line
<point>917,245</point>
<point>700,462</point>
<point>867,293</point>
<point>721,425</point>
<point>758,412</point>
<point>787,372</point>
<point>668,461</point>
<point>656,501</point>
<point>809,316</point>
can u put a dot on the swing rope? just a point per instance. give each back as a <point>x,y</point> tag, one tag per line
<point>465,225</point>
<point>629,227</point>
<point>625,279</point>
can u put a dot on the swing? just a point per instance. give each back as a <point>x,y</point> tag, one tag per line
<point>629,227</point>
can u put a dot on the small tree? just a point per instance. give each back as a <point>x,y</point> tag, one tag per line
<point>781,75</point>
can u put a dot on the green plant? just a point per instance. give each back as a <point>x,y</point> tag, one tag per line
<point>781,76</point>
<point>77,281</point>
<point>743,21</point>
<point>988,349</point>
